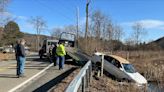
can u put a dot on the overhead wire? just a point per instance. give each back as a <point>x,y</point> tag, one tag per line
<point>66,7</point>
<point>53,10</point>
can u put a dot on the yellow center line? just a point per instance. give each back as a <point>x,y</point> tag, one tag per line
<point>9,66</point>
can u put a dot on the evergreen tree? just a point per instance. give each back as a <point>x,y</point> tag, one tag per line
<point>11,33</point>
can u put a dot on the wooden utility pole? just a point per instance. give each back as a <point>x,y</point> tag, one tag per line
<point>77,15</point>
<point>86,29</point>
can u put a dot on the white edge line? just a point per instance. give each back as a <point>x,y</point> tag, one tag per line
<point>25,82</point>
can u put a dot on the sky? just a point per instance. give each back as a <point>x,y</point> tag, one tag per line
<point>58,13</point>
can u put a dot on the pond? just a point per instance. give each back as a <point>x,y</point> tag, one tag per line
<point>155,87</point>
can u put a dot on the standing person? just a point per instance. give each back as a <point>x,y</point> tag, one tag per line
<point>54,55</point>
<point>50,53</point>
<point>16,53</point>
<point>60,51</point>
<point>21,58</point>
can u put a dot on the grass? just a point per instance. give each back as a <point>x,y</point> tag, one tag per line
<point>6,56</point>
<point>148,63</point>
<point>106,84</point>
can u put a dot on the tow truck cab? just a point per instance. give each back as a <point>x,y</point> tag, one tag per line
<point>68,39</point>
<point>44,51</point>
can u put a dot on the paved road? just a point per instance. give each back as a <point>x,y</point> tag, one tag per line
<point>8,78</point>
<point>33,66</point>
<point>52,77</point>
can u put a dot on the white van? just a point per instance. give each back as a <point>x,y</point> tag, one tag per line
<point>120,68</point>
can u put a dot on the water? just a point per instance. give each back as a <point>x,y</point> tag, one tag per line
<point>155,87</point>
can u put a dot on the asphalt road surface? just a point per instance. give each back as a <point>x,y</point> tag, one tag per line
<point>33,66</point>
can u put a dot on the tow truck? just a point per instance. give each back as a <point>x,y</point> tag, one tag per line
<point>70,43</point>
<point>69,40</point>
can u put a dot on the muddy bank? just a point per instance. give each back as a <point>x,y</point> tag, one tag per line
<point>106,84</point>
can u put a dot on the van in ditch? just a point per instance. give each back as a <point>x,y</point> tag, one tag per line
<point>119,67</point>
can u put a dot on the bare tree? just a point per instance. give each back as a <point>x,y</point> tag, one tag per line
<point>98,28</point>
<point>3,4</point>
<point>39,24</point>
<point>98,20</point>
<point>138,32</point>
<point>110,31</point>
<point>70,29</point>
<point>118,32</point>
<point>55,32</point>
<point>3,18</point>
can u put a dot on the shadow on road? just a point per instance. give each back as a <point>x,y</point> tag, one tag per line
<point>8,76</point>
<point>55,81</point>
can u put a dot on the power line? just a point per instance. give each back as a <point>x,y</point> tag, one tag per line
<point>53,10</point>
<point>66,7</point>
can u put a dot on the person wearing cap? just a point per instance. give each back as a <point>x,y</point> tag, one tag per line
<point>16,53</point>
<point>20,52</point>
<point>60,51</point>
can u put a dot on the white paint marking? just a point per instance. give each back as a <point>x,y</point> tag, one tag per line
<point>33,77</point>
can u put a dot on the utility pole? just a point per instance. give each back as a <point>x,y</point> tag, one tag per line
<point>38,34</point>
<point>86,30</point>
<point>77,15</point>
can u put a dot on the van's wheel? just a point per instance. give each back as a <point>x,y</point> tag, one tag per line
<point>113,77</point>
<point>126,80</point>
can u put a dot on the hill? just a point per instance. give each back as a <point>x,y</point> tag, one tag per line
<point>157,44</point>
<point>160,42</point>
<point>31,40</point>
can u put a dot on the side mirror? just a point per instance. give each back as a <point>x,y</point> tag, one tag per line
<point>121,69</point>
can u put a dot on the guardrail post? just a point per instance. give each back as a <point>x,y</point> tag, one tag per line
<point>102,65</point>
<point>87,84</point>
<point>83,84</point>
<point>90,73</point>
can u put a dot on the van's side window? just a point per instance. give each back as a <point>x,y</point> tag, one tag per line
<point>113,61</point>
<point>109,59</point>
<point>116,63</point>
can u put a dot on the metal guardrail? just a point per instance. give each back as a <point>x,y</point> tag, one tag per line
<point>81,82</point>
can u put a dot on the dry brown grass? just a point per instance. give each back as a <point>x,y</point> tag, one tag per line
<point>61,87</point>
<point>148,63</point>
<point>6,56</point>
<point>106,84</point>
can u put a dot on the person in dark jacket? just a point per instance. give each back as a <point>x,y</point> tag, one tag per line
<point>54,55</point>
<point>16,53</point>
<point>20,54</point>
<point>50,53</point>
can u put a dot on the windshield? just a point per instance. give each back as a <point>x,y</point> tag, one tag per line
<point>52,43</point>
<point>68,36</point>
<point>129,68</point>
